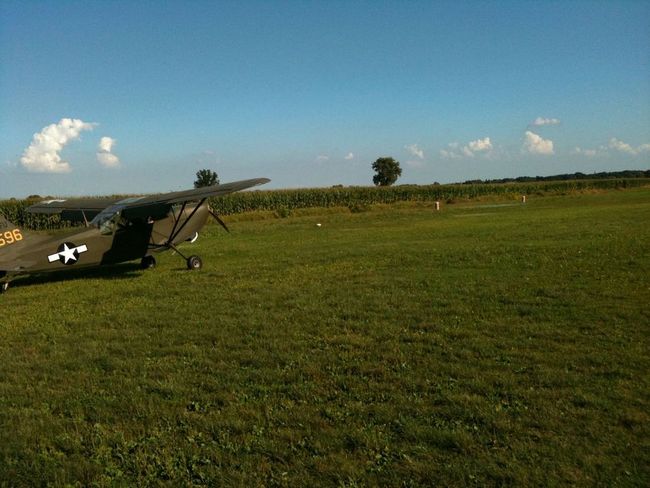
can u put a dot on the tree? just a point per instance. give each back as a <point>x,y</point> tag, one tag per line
<point>387,170</point>
<point>206,177</point>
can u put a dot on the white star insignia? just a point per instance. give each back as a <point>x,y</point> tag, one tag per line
<point>68,255</point>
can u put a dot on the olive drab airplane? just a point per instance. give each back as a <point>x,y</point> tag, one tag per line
<point>115,231</point>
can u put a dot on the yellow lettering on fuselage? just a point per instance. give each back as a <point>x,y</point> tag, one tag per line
<point>10,237</point>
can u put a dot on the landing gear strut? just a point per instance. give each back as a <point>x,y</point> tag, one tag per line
<point>194,263</point>
<point>181,219</point>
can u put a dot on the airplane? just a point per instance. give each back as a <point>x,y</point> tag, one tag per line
<point>116,231</point>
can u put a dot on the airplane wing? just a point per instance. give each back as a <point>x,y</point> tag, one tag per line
<point>58,206</point>
<point>80,210</point>
<point>157,206</point>
<point>86,209</point>
<point>194,195</point>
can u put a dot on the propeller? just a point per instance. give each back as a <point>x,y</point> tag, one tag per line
<point>218,219</point>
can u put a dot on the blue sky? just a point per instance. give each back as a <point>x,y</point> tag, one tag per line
<point>135,97</point>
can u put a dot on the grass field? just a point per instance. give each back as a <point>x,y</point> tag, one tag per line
<point>491,343</point>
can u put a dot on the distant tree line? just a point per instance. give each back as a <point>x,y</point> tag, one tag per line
<point>604,175</point>
<point>357,199</point>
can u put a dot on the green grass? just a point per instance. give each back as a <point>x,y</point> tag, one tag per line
<point>486,344</point>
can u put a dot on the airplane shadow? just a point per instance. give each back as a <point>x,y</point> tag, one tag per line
<point>112,272</point>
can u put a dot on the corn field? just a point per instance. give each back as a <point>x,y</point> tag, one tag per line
<point>352,197</point>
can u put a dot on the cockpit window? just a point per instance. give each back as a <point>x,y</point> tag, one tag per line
<point>107,222</point>
<point>108,219</point>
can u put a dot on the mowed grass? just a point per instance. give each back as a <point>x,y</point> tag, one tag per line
<point>487,344</point>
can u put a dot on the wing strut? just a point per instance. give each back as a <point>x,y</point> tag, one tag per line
<point>180,225</point>
<point>218,219</point>
<point>176,230</point>
<point>193,262</point>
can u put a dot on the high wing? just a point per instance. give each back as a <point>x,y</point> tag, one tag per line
<point>84,210</point>
<point>73,209</point>
<point>157,203</point>
<point>195,195</point>
<point>72,204</point>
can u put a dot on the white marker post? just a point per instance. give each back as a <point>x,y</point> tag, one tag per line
<point>523,199</point>
<point>437,205</point>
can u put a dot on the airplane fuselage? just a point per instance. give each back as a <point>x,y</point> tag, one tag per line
<point>113,241</point>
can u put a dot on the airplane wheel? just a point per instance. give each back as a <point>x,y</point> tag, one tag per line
<point>148,262</point>
<point>4,287</point>
<point>194,262</point>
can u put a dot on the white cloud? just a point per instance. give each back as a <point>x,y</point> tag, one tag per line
<point>108,159</point>
<point>415,150</point>
<point>621,146</point>
<point>540,121</point>
<point>449,153</point>
<point>471,149</point>
<point>106,144</point>
<point>534,144</point>
<point>624,147</point>
<point>105,153</point>
<point>480,145</point>
<point>349,157</point>
<point>614,145</point>
<point>42,155</point>
<point>590,153</point>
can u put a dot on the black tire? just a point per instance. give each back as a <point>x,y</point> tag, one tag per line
<point>194,263</point>
<point>148,262</point>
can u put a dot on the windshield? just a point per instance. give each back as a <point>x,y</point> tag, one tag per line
<point>107,220</point>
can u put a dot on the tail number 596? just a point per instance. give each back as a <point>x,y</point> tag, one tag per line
<point>10,236</point>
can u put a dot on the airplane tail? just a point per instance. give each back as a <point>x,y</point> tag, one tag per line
<point>10,233</point>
